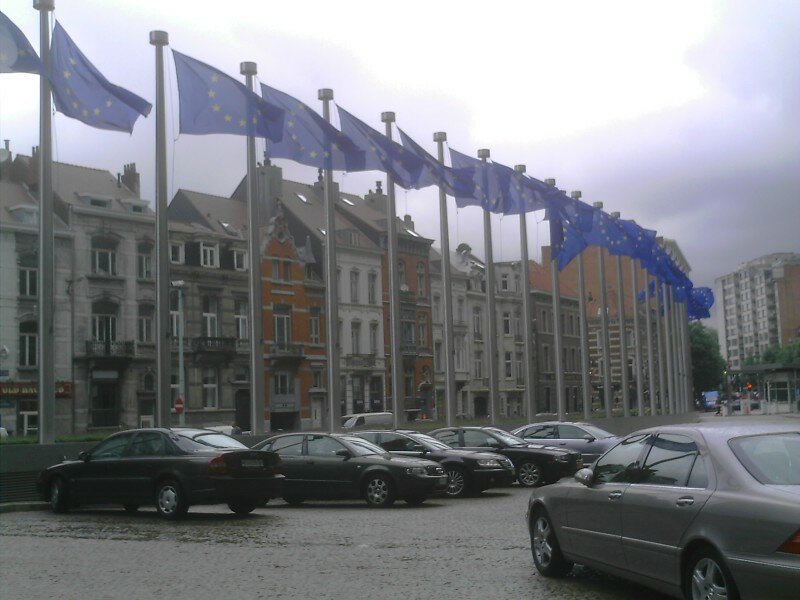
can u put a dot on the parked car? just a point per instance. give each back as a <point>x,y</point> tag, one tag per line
<point>367,420</point>
<point>587,439</point>
<point>171,468</point>
<point>467,472</point>
<point>695,511</point>
<point>326,466</point>
<point>535,464</point>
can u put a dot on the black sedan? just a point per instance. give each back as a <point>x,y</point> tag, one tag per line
<point>587,439</point>
<point>467,472</point>
<point>327,466</point>
<point>535,464</point>
<point>170,468</point>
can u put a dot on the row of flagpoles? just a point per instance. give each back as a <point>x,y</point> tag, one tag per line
<point>211,102</point>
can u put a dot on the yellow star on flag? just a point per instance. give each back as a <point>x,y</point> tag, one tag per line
<point>216,108</point>
<point>228,118</point>
<point>109,103</point>
<point>212,94</point>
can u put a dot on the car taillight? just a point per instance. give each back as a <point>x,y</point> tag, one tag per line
<point>218,466</point>
<point>792,545</point>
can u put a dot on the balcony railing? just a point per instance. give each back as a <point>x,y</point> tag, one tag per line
<point>286,350</point>
<point>408,347</point>
<point>101,348</point>
<point>213,344</point>
<point>355,361</point>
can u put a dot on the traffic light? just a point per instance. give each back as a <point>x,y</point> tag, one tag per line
<point>749,386</point>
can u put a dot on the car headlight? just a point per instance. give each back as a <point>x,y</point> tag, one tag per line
<point>418,471</point>
<point>563,458</point>
<point>488,463</point>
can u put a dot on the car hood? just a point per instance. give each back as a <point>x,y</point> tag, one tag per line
<point>547,449</point>
<point>406,461</point>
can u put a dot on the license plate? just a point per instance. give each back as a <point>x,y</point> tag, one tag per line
<point>252,462</point>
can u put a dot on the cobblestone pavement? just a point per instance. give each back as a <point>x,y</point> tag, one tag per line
<point>444,549</point>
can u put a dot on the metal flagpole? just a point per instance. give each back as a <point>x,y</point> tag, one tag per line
<point>681,382</point>
<point>557,333</point>
<point>623,337</point>
<point>662,377</point>
<point>586,381</point>
<point>491,341</point>
<point>159,39</point>
<point>601,265</point>
<point>687,353</point>
<point>637,341</point>
<point>331,284</point>
<point>651,365</point>
<point>440,138</point>
<point>530,387</point>
<point>46,278</point>
<point>398,398</point>
<point>257,402</point>
<point>668,349</point>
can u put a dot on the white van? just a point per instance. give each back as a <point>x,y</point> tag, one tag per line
<point>367,420</point>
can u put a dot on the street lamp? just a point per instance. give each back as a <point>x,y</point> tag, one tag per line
<point>179,286</point>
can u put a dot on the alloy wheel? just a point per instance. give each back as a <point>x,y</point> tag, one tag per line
<point>377,491</point>
<point>541,542</point>
<point>530,474</point>
<point>708,581</point>
<point>168,499</point>
<point>455,482</point>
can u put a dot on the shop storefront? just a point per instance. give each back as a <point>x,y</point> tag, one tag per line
<point>19,405</point>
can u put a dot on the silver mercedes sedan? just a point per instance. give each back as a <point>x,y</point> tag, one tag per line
<point>695,511</point>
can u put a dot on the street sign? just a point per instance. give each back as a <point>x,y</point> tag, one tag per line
<point>179,405</point>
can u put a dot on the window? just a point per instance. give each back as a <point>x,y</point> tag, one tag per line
<point>617,464</point>
<point>509,365</point>
<point>276,269</point>
<point>176,253</point>
<point>210,388</point>
<point>540,432</point>
<point>437,356</point>
<point>422,328</point>
<point>372,288</point>
<point>460,356</point>
<point>421,280</point>
<point>240,260</point>
<point>313,326</point>
<point>401,273</point>
<point>504,282</point>
<point>546,358</point>
<point>520,372</point>
<point>104,327</point>
<point>283,383</point>
<point>210,316</point>
<point>287,271</point>
<point>144,324</point>
<point>28,339</point>
<point>209,255</point>
<point>104,256</point>
<point>27,281</point>
<point>144,261</point>
<point>545,325</point>
<point>478,363</point>
<point>174,313</point>
<point>354,283</point>
<point>506,323</point>
<point>477,323</point>
<point>669,461</point>
<point>459,310</point>
<point>283,329</point>
<point>240,310</point>
<point>290,445</point>
<point>319,445</point>
<point>437,301</point>
<point>355,337</point>
<point>373,338</point>
<point>316,378</point>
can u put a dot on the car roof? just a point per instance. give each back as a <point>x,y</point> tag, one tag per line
<point>723,430</point>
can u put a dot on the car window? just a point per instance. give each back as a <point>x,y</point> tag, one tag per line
<point>540,432</point>
<point>290,445</point>
<point>370,437</point>
<point>669,460</point>
<point>570,432</point>
<point>112,447</point>
<point>322,445</point>
<point>400,443</point>
<point>147,443</point>
<point>218,440</point>
<point>479,439</point>
<point>360,421</point>
<point>449,437</point>
<point>615,465</point>
<point>698,478</point>
<point>430,442</point>
<point>770,458</point>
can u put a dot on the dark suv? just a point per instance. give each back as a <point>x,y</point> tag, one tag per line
<point>467,472</point>
<point>535,464</point>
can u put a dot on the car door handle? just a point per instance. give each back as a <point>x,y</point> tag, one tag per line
<point>685,501</point>
<point>615,495</point>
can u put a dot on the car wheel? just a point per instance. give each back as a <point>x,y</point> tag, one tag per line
<point>378,491</point>
<point>130,508</point>
<point>707,577</point>
<point>457,484</point>
<point>293,500</point>
<point>59,496</point>
<point>547,555</point>
<point>529,474</point>
<point>415,500</point>
<point>242,508</point>
<point>170,501</point>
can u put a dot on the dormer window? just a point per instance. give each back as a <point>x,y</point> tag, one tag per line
<point>100,202</point>
<point>26,214</point>
<point>209,255</point>
<point>137,209</point>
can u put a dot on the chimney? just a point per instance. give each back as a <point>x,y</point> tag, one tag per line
<point>131,178</point>
<point>408,222</point>
<point>378,187</point>
<point>31,178</point>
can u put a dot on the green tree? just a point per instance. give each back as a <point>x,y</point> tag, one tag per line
<point>708,366</point>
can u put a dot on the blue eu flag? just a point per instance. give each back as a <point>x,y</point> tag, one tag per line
<point>434,172</point>
<point>309,139</point>
<point>643,239</point>
<point>16,53</point>
<point>570,224</point>
<point>486,185</point>
<point>81,92</point>
<point>383,154</point>
<point>213,102</point>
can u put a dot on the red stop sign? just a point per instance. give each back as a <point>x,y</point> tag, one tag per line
<point>179,405</point>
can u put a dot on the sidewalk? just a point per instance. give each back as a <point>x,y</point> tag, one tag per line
<point>23,506</point>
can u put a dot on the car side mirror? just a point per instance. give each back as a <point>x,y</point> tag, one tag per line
<point>589,438</point>
<point>584,476</point>
<point>343,453</point>
<point>84,456</point>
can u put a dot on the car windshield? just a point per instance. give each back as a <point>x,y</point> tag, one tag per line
<point>508,438</point>
<point>214,440</point>
<point>362,447</point>
<point>773,459</point>
<point>429,442</point>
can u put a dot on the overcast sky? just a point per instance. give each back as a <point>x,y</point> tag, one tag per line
<point>684,116</point>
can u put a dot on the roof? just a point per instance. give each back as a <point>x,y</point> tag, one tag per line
<point>217,214</point>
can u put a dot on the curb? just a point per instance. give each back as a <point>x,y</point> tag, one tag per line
<point>23,506</point>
